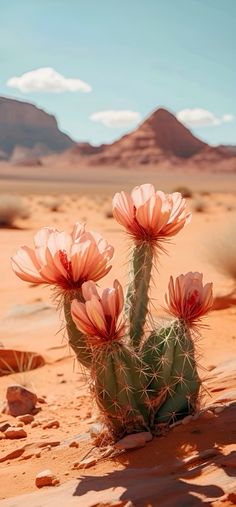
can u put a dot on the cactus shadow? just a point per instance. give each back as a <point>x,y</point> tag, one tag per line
<point>187,467</point>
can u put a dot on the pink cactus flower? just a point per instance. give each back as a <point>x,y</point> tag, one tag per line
<point>150,215</point>
<point>188,298</point>
<point>63,259</point>
<point>99,317</point>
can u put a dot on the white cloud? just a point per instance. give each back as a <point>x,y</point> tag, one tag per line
<point>116,118</point>
<point>197,117</point>
<point>47,79</point>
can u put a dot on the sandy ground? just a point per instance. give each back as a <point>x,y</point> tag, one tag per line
<point>29,322</point>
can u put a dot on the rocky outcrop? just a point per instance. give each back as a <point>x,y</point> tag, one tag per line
<point>159,138</point>
<point>25,125</point>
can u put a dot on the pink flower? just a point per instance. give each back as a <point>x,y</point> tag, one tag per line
<point>188,298</point>
<point>63,259</point>
<point>98,317</point>
<point>150,215</point>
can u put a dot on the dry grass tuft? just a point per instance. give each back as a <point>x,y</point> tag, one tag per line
<point>222,250</point>
<point>199,205</point>
<point>11,208</point>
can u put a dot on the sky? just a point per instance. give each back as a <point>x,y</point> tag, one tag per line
<point>102,66</point>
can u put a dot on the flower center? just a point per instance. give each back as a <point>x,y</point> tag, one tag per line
<point>65,262</point>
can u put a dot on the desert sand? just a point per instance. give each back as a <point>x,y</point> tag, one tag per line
<point>194,463</point>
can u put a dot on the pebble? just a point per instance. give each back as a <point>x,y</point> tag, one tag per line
<point>207,414</point>
<point>4,426</point>
<point>26,418</point>
<point>19,424</point>
<point>51,424</point>
<point>46,478</point>
<point>19,400</point>
<point>14,433</point>
<point>74,443</point>
<point>218,410</point>
<point>134,440</point>
<point>34,424</point>
<point>187,419</point>
<point>85,463</point>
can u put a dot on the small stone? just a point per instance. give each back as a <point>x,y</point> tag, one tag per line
<point>19,424</point>
<point>74,443</point>
<point>85,463</point>
<point>41,399</point>
<point>51,424</point>
<point>34,424</point>
<point>37,454</point>
<point>14,433</point>
<point>19,400</point>
<point>2,436</point>
<point>26,418</point>
<point>218,410</point>
<point>46,478</point>
<point>207,414</point>
<point>134,440</point>
<point>12,455</point>
<point>187,419</point>
<point>4,426</point>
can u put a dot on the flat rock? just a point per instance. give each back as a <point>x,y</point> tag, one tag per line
<point>134,440</point>
<point>19,360</point>
<point>26,418</point>
<point>20,401</point>
<point>46,478</point>
<point>15,433</point>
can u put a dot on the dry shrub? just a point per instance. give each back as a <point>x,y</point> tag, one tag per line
<point>222,250</point>
<point>108,212</point>
<point>199,205</point>
<point>185,191</point>
<point>52,203</point>
<point>11,208</point>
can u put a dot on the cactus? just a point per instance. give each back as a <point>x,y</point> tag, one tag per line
<point>141,376</point>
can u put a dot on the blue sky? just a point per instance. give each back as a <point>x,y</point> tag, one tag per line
<point>137,55</point>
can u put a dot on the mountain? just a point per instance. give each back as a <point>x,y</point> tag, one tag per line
<point>24,125</point>
<point>161,136</point>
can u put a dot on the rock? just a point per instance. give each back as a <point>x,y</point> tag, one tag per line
<point>26,418</point>
<point>218,410</point>
<point>34,424</point>
<point>85,463</point>
<point>74,443</point>
<point>12,455</point>
<point>46,478</point>
<point>4,426</point>
<point>19,424</point>
<point>20,400</point>
<point>187,419</point>
<point>51,424</point>
<point>134,440</point>
<point>15,433</point>
<point>16,360</point>
<point>24,125</point>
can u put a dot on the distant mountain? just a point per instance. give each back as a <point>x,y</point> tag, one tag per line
<point>160,137</point>
<point>25,125</point>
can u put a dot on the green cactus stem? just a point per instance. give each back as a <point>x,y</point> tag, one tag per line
<point>119,383</point>
<point>77,340</point>
<point>174,384</point>
<point>136,306</point>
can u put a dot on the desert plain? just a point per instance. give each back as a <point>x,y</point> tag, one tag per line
<point>194,463</point>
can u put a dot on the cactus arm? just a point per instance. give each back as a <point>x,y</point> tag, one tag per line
<point>77,340</point>
<point>137,296</point>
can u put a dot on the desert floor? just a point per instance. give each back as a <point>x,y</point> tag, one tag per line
<point>195,463</point>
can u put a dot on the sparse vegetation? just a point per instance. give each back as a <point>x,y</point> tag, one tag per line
<point>12,207</point>
<point>199,205</point>
<point>52,203</point>
<point>185,191</point>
